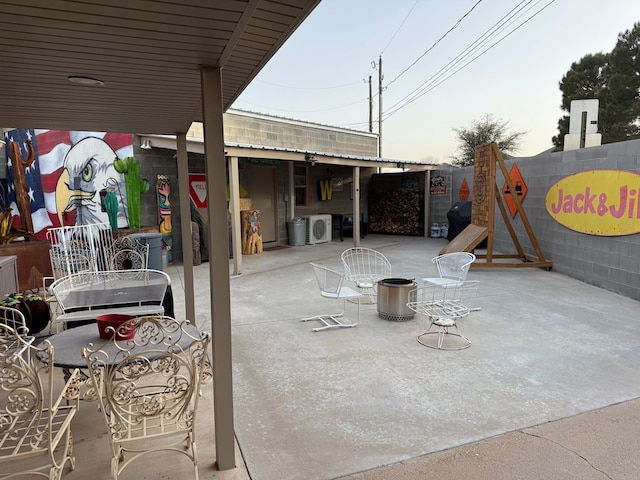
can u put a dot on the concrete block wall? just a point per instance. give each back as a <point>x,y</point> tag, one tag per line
<point>610,262</point>
<point>258,129</point>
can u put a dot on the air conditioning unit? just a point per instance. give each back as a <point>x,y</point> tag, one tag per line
<point>318,228</point>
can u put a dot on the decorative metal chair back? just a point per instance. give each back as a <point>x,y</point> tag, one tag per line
<point>454,266</point>
<point>129,242</point>
<point>127,259</point>
<point>148,387</point>
<point>32,421</point>
<point>93,241</point>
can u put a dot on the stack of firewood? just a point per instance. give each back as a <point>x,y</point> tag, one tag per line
<point>398,211</point>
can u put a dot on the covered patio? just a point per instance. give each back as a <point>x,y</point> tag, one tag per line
<point>346,402</point>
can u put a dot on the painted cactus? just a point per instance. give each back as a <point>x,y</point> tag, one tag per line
<point>134,185</point>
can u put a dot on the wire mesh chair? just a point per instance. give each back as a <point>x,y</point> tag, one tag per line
<point>443,306</point>
<point>33,421</point>
<point>452,268</point>
<point>148,387</point>
<point>365,267</point>
<point>330,285</point>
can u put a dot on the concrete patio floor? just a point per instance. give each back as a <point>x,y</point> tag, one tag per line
<point>526,400</point>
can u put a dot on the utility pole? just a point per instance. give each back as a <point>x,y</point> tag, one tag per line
<point>370,106</point>
<point>380,76</point>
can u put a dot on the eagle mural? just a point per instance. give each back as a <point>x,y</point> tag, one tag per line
<point>88,174</point>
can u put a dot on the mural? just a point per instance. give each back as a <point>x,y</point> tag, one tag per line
<point>163,188</point>
<point>65,183</point>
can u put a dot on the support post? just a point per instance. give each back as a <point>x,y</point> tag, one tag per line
<point>185,225</point>
<point>215,168</point>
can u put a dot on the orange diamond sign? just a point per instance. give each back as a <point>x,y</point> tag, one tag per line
<point>520,188</point>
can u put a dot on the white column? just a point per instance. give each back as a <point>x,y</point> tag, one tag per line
<point>234,211</point>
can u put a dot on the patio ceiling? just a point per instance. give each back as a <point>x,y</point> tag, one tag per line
<point>147,53</point>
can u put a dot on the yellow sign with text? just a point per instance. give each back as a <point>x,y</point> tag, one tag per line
<point>597,202</point>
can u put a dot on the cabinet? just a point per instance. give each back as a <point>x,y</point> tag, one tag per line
<point>8,275</point>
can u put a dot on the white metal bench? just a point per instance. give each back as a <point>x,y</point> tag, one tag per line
<point>86,295</point>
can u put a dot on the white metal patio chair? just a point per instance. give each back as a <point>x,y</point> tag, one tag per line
<point>443,306</point>
<point>452,268</point>
<point>330,284</point>
<point>365,267</point>
<point>127,259</point>
<point>148,388</point>
<point>34,422</point>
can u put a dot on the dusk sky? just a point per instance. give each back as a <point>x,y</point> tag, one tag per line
<point>445,64</point>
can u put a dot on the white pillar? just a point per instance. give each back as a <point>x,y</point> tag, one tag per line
<point>234,211</point>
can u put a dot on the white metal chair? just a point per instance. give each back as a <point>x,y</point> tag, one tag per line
<point>330,284</point>
<point>365,267</point>
<point>452,268</point>
<point>33,421</point>
<point>443,306</point>
<point>127,259</point>
<point>128,243</point>
<point>148,388</point>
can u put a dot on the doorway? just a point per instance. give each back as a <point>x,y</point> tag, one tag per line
<point>263,198</point>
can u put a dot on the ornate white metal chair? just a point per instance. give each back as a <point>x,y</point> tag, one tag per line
<point>443,306</point>
<point>365,267</point>
<point>127,259</point>
<point>33,421</point>
<point>330,284</point>
<point>452,268</point>
<point>147,388</point>
<point>128,243</point>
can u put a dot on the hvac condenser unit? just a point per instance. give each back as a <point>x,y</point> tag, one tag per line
<point>318,228</point>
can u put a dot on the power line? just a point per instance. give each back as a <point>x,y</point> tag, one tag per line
<point>399,27</point>
<point>435,43</point>
<point>296,87</point>
<point>306,111</point>
<point>446,72</point>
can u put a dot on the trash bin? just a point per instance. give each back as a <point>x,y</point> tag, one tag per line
<point>154,240</point>
<point>297,232</point>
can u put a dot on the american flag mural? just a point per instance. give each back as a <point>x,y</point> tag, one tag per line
<point>69,162</point>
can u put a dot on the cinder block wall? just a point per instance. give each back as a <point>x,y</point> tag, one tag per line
<point>612,263</point>
<point>257,129</point>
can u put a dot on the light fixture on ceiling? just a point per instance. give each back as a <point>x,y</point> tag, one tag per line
<point>146,145</point>
<point>310,159</point>
<point>91,82</point>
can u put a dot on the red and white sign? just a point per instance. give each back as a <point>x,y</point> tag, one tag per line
<point>198,189</point>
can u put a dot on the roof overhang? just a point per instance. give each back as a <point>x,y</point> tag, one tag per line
<point>147,54</point>
<point>196,145</point>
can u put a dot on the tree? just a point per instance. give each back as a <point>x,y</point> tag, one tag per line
<point>487,130</point>
<point>612,78</point>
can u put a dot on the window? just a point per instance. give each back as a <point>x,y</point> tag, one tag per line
<point>300,183</point>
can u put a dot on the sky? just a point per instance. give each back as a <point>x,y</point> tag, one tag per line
<point>445,65</point>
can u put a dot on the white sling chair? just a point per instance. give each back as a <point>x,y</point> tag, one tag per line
<point>330,284</point>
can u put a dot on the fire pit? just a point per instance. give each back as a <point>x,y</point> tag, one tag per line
<point>393,295</point>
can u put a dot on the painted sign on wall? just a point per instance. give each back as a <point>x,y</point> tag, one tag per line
<point>597,202</point>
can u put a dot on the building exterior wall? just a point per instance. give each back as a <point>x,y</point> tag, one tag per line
<point>255,129</point>
<point>610,262</point>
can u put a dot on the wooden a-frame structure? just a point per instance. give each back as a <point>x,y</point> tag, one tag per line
<point>485,193</point>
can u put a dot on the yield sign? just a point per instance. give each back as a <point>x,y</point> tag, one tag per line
<point>520,187</point>
<point>198,189</point>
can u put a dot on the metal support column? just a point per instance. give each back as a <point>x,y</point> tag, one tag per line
<point>185,224</point>
<point>215,169</point>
